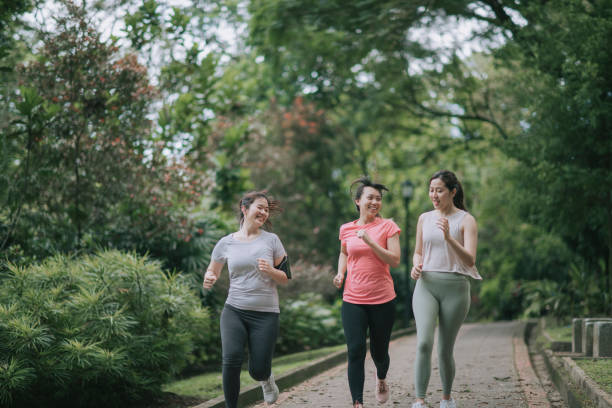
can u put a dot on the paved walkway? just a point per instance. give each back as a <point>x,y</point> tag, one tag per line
<point>485,374</point>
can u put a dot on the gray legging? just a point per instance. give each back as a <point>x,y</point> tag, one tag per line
<point>444,296</point>
<point>239,327</point>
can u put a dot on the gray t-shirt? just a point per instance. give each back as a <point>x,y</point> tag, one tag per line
<point>250,289</point>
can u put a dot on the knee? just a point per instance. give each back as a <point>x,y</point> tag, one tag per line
<point>357,351</point>
<point>260,373</point>
<point>445,354</point>
<point>424,347</point>
<point>232,359</point>
<point>379,354</point>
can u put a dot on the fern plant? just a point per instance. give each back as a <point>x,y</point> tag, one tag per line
<point>105,329</point>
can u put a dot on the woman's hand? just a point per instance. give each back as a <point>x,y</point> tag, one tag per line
<point>416,271</point>
<point>363,234</point>
<point>442,224</point>
<point>338,279</point>
<point>209,279</point>
<point>264,266</point>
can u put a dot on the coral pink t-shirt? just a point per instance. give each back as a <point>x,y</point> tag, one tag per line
<point>368,280</point>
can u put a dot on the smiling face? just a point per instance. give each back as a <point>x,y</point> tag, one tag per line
<point>440,195</point>
<point>370,202</point>
<point>257,213</point>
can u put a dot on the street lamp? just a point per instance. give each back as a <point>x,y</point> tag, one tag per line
<point>407,190</point>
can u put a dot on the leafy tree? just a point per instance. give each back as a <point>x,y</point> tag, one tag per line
<point>566,150</point>
<point>553,116</point>
<point>80,167</point>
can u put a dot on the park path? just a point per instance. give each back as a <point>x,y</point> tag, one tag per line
<point>485,374</point>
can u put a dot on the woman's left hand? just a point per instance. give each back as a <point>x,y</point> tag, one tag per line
<point>442,224</point>
<point>264,266</point>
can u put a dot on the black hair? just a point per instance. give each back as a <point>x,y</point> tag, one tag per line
<point>451,182</point>
<point>363,183</point>
<point>250,197</point>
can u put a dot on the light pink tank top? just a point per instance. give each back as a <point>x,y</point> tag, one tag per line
<point>438,255</point>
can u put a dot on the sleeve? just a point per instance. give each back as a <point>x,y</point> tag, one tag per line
<point>392,228</point>
<point>342,234</point>
<point>219,253</point>
<point>277,247</point>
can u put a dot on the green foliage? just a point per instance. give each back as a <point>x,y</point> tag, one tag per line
<point>301,160</point>
<point>579,295</point>
<point>94,331</point>
<point>308,323</point>
<point>80,167</point>
<point>565,148</point>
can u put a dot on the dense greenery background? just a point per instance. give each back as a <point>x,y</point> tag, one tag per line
<point>130,129</point>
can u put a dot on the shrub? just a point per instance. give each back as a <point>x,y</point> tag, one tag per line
<point>101,330</point>
<point>308,323</point>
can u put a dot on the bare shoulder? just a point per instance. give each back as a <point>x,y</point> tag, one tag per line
<point>425,215</point>
<point>468,220</point>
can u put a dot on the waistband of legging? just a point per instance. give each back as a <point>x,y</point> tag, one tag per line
<point>445,275</point>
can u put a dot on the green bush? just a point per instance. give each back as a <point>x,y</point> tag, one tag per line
<point>105,329</point>
<point>307,323</point>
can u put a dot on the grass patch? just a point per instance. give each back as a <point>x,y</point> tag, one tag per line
<point>208,386</point>
<point>599,370</point>
<point>562,333</point>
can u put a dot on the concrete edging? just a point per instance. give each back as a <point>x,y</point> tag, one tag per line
<point>530,385</point>
<point>573,384</point>
<point>252,394</point>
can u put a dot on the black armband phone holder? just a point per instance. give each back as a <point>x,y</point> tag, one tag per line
<point>284,266</point>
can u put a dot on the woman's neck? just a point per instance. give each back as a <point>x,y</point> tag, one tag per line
<point>248,231</point>
<point>450,210</point>
<point>366,219</point>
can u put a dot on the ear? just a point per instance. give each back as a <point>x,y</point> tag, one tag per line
<point>453,192</point>
<point>244,210</point>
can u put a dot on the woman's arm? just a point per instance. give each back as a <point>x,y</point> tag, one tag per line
<point>467,251</point>
<point>390,255</point>
<point>342,261</point>
<point>276,275</point>
<point>417,258</point>
<point>212,274</point>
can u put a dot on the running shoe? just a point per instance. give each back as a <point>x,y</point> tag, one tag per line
<point>382,391</point>
<point>448,403</point>
<point>270,390</point>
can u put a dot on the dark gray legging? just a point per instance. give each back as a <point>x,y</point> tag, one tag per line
<point>239,327</point>
<point>356,319</point>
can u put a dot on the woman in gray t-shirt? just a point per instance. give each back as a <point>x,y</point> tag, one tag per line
<point>251,313</point>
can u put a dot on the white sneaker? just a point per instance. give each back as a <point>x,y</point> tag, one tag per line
<point>419,405</point>
<point>448,403</point>
<point>270,390</point>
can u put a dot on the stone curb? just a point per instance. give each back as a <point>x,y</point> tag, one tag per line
<point>252,394</point>
<point>534,393</point>
<point>573,384</point>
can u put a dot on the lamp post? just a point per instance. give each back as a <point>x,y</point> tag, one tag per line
<point>407,190</point>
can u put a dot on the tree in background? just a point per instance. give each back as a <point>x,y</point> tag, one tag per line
<point>551,114</point>
<point>81,169</point>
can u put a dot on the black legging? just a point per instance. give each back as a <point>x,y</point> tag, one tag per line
<point>356,320</point>
<point>239,327</point>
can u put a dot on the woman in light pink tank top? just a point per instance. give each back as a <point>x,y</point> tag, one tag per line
<point>444,260</point>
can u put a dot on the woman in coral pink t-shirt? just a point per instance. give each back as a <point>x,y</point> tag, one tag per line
<point>369,245</point>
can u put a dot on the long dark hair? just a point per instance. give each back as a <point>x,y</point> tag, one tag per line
<point>364,182</point>
<point>451,182</point>
<point>248,199</point>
